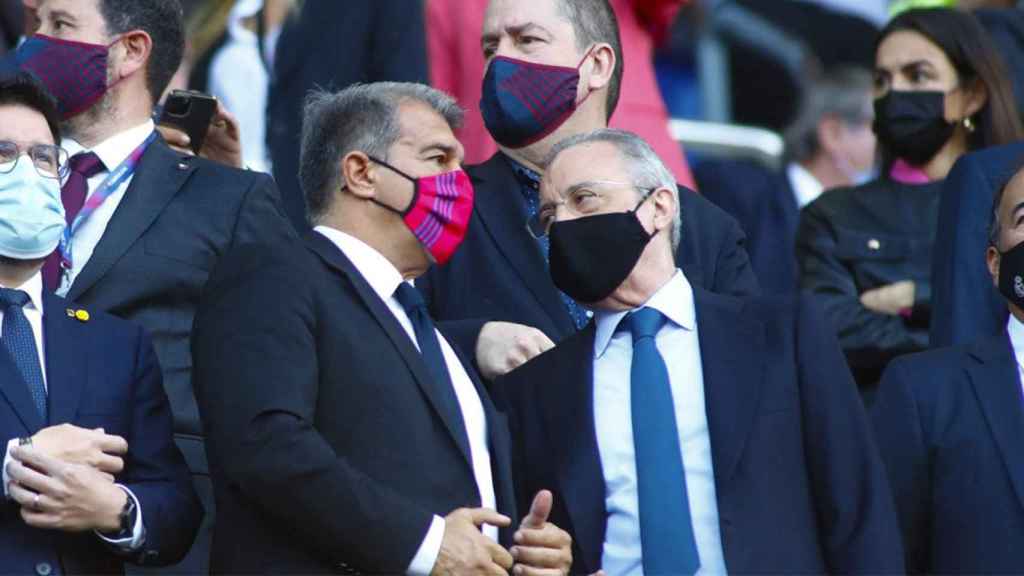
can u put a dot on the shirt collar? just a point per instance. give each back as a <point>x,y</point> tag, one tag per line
<point>1016,330</point>
<point>378,271</point>
<point>806,187</point>
<point>674,300</point>
<point>114,150</point>
<point>34,288</point>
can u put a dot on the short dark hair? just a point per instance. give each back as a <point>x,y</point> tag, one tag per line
<point>995,223</point>
<point>22,89</point>
<point>594,21</point>
<point>163,21</point>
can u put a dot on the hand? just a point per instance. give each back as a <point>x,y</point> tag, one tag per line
<point>223,142</point>
<point>465,550</point>
<point>75,445</point>
<point>541,548</point>
<point>71,497</point>
<point>502,347</point>
<point>892,299</point>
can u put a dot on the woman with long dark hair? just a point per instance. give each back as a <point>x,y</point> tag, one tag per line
<point>866,252</point>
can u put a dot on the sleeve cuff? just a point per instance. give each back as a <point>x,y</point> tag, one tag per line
<point>426,556</point>
<point>138,537</point>
<point>7,460</point>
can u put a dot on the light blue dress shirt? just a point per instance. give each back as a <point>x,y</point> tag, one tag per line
<point>613,352</point>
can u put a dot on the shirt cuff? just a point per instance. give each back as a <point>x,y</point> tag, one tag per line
<point>138,537</point>
<point>423,562</point>
<point>7,460</point>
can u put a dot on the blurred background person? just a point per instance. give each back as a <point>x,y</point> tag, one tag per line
<point>830,145</point>
<point>866,251</point>
<point>330,45</point>
<point>12,24</point>
<point>457,64</point>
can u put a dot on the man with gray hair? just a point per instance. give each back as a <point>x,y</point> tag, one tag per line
<point>684,431</point>
<point>345,433</point>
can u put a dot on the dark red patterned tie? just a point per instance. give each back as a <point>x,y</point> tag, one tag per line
<point>73,194</point>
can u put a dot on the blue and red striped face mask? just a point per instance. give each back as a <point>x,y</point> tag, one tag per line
<point>75,73</point>
<point>523,102</point>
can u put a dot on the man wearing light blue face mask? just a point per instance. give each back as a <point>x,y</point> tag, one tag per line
<point>91,476</point>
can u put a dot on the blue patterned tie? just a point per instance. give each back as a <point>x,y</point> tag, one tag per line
<point>21,343</point>
<point>666,531</point>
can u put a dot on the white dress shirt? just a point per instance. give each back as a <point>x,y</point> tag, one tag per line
<point>33,311</point>
<point>384,278</point>
<point>1016,330</point>
<point>679,345</point>
<point>112,151</point>
<point>806,188</point>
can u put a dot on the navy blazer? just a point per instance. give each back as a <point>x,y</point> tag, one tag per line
<point>499,272</point>
<point>950,424</point>
<point>799,483</point>
<point>965,304</point>
<point>100,373</point>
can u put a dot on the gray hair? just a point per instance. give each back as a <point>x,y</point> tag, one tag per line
<point>362,117</point>
<point>845,93</point>
<point>645,167</point>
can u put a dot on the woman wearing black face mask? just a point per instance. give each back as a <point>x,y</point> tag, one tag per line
<point>866,252</point>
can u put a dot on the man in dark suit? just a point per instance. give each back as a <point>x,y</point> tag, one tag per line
<point>331,45</point>
<point>91,476</point>
<point>966,306</point>
<point>501,273</point>
<point>950,421</point>
<point>344,431</point>
<point>681,429</point>
<point>149,223</point>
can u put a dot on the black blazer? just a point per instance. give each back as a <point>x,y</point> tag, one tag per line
<point>851,240</point>
<point>799,484</point>
<point>327,448</point>
<point>968,307</point>
<point>950,424</point>
<point>332,45</point>
<point>99,373</point>
<point>499,272</point>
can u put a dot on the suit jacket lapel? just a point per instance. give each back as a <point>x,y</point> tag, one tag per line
<point>334,258</point>
<point>569,420</point>
<point>160,174</point>
<point>505,219</point>
<point>996,382</point>
<point>67,360</point>
<point>14,388</point>
<point>732,386</point>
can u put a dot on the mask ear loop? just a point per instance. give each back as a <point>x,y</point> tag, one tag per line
<point>415,189</point>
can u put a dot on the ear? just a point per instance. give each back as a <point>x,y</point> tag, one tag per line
<point>829,133</point>
<point>603,61</point>
<point>358,175</point>
<point>665,208</point>
<point>975,98</point>
<point>993,259</point>
<point>137,48</point>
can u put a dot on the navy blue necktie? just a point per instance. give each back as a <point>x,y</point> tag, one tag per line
<point>19,340</point>
<point>430,349</point>
<point>666,530</point>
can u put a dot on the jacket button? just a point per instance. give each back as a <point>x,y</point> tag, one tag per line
<point>874,244</point>
<point>44,569</point>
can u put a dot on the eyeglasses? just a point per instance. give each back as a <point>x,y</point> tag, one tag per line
<point>50,161</point>
<point>581,200</point>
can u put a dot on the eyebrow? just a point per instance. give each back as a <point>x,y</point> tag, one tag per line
<point>58,13</point>
<point>516,30</point>
<point>1017,209</point>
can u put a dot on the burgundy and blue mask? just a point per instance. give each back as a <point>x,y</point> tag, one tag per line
<point>75,73</point>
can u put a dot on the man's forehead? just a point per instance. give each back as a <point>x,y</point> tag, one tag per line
<point>504,15</point>
<point>588,161</point>
<point>422,127</point>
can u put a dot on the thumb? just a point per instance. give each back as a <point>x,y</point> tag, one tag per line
<point>539,510</point>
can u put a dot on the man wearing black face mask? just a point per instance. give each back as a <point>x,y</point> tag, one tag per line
<point>684,430</point>
<point>554,70</point>
<point>950,423</point>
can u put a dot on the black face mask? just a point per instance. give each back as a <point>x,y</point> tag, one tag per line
<point>912,125</point>
<point>1011,274</point>
<point>592,256</point>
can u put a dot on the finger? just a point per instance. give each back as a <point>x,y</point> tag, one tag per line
<point>494,570</point>
<point>545,342</point>
<point>481,516</point>
<point>109,465</point>
<point>29,478</point>
<point>36,459</point>
<point>499,555</point>
<point>43,520</point>
<point>112,444</point>
<point>523,570</point>
<point>23,496</point>
<point>540,509</point>
<point>174,137</point>
<point>548,537</point>
<point>539,557</point>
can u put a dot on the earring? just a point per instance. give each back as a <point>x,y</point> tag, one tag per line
<point>969,125</point>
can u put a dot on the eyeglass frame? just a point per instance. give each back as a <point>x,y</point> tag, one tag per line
<point>645,191</point>
<point>63,159</point>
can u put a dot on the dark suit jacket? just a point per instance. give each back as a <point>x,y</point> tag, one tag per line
<point>328,448</point>
<point>499,272</point>
<point>100,373</point>
<point>178,217</point>
<point>950,424</point>
<point>332,45</point>
<point>967,305</point>
<point>799,483</point>
<point>763,203</point>
<point>1006,28</point>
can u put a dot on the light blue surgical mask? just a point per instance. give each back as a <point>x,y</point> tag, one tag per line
<point>31,213</point>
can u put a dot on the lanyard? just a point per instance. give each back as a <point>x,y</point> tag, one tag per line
<point>114,180</point>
